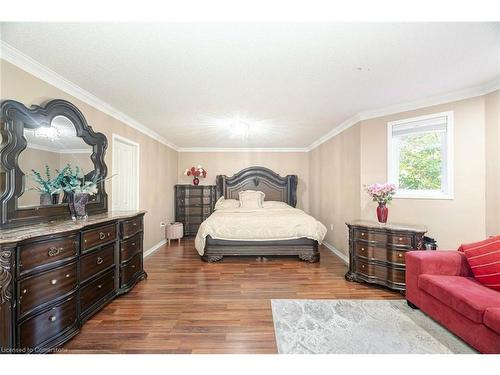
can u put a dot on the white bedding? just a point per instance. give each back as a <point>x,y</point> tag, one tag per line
<point>261,224</point>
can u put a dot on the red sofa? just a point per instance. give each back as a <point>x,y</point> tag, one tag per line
<point>441,284</point>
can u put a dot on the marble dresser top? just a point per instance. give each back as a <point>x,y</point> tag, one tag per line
<point>388,226</point>
<point>59,226</point>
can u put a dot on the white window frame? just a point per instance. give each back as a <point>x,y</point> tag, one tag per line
<point>393,164</point>
<point>116,137</point>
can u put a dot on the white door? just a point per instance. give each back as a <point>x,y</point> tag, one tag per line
<point>125,192</point>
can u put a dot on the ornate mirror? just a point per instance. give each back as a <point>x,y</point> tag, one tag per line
<point>39,145</point>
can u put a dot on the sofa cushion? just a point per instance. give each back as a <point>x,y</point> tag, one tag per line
<point>492,319</point>
<point>465,295</point>
<point>484,260</point>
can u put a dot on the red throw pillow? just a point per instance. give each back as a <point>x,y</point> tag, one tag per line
<point>484,261</point>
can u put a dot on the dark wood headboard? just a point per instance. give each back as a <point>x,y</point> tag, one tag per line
<point>275,187</point>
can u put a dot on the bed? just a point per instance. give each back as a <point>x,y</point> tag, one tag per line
<point>219,235</point>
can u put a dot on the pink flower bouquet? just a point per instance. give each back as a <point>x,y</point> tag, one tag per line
<point>381,193</point>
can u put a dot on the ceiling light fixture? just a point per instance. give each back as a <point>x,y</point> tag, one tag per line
<point>47,132</point>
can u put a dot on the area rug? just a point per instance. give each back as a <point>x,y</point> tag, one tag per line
<point>359,327</point>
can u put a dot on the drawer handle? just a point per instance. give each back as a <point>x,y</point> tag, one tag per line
<point>400,239</point>
<point>400,255</point>
<point>362,249</point>
<point>362,266</point>
<point>133,265</point>
<point>102,236</point>
<point>99,286</point>
<point>68,275</point>
<point>53,281</point>
<point>25,291</point>
<point>134,224</point>
<point>54,251</point>
<point>109,234</point>
<point>133,243</point>
<point>99,260</point>
<point>52,318</point>
<point>363,234</point>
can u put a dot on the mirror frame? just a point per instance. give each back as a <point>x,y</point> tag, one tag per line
<point>15,117</point>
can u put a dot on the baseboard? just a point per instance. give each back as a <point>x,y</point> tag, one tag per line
<point>154,248</point>
<point>337,252</point>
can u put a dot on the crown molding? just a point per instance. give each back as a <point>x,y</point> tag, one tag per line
<point>19,59</point>
<point>214,149</point>
<point>467,93</point>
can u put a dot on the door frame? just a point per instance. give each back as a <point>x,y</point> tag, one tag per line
<point>119,138</point>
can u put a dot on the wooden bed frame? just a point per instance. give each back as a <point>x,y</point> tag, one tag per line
<point>276,188</point>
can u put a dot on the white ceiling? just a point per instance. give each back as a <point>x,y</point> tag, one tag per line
<point>288,84</point>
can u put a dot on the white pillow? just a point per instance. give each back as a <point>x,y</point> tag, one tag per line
<point>251,199</point>
<point>275,204</point>
<point>223,203</point>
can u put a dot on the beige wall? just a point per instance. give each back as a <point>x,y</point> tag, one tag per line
<point>492,122</point>
<point>334,184</point>
<point>229,163</point>
<point>158,163</point>
<point>359,154</point>
<point>450,222</point>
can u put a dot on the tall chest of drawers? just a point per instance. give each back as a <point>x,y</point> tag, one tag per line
<point>193,204</point>
<point>55,277</point>
<point>377,253</point>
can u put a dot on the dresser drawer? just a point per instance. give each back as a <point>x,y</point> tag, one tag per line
<point>379,253</point>
<point>97,261</point>
<point>403,240</point>
<point>131,227</point>
<point>38,290</point>
<point>365,235</point>
<point>380,272</point>
<point>48,324</point>
<point>91,294</point>
<point>38,254</point>
<point>129,271</point>
<point>130,247</point>
<point>99,236</point>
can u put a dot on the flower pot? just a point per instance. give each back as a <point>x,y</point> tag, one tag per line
<point>382,213</point>
<point>45,199</point>
<point>196,181</point>
<point>78,205</point>
<point>55,198</point>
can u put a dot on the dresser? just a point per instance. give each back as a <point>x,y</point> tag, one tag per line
<point>55,276</point>
<point>377,252</point>
<point>193,204</point>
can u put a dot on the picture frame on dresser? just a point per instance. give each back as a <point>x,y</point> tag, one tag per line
<point>55,272</point>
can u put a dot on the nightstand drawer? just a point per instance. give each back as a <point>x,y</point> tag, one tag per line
<point>399,240</point>
<point>381,254</point>
<point>380,272</point>
<point>369,236</point>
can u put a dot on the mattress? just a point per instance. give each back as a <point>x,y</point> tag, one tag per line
<point>261,224</point>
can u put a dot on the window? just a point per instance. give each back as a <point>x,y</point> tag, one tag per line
<point>420,156</point>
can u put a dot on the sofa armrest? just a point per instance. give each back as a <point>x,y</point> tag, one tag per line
<point>449,263</point>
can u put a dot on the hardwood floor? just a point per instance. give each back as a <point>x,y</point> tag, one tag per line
<point>189,306</point>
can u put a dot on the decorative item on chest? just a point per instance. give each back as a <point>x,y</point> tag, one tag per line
<point>196,172</point>
<point>382,194</point>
